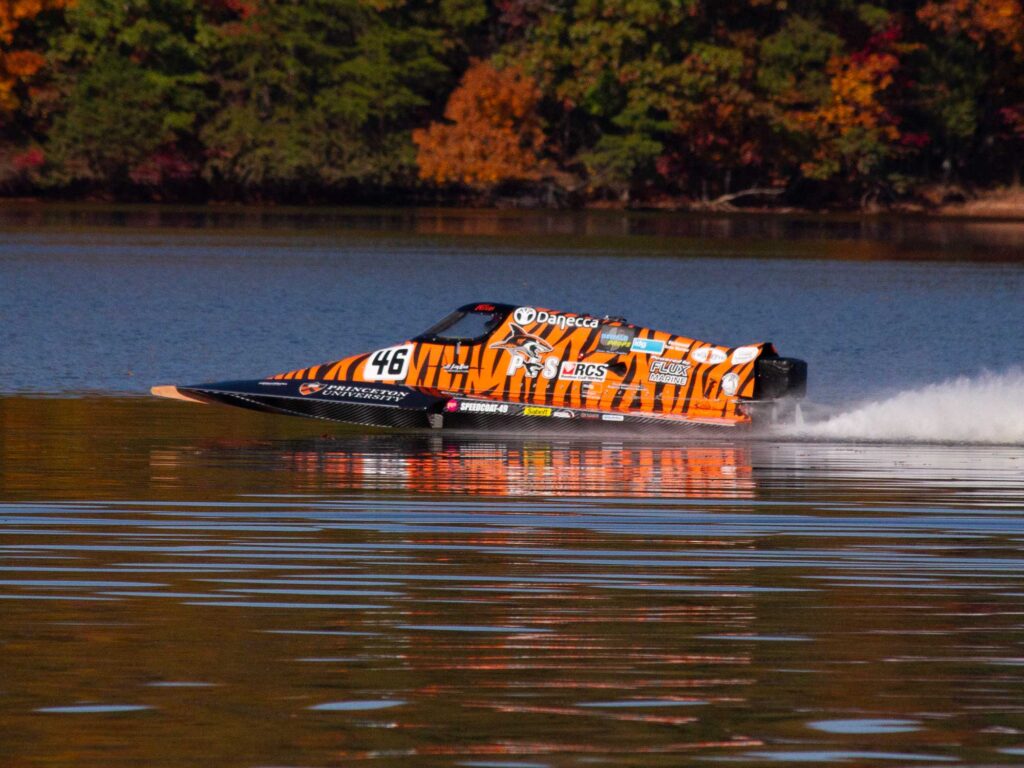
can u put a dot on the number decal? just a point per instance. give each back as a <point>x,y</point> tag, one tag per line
<point>391,364</point>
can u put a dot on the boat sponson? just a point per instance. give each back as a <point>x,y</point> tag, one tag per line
<point>389,405</point>
<point>383,405</point>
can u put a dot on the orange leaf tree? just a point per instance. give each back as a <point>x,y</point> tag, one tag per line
<point>852,129</point>
<point>986,22</point>
<point>17,65</point>
<point>492,134</point>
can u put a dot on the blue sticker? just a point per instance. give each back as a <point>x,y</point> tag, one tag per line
<point>616,339</point>
<point>648,346</point>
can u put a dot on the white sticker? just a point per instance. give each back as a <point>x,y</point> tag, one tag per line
<point>744,355</point>
<point>708,355</point>
<point>612,417</point>
<point>391,364</point>
<point>730,383</point>
<point>593,372</point>
<point>524,315</point>
<point>664,370</point>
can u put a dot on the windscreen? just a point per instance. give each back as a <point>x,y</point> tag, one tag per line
<point>465,326</point>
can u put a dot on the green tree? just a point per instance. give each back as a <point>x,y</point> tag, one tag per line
<point>970,86</point>
<point>132,74</point>
<point>628,99</point>
<point>654,94</point>
<point>323,94</point>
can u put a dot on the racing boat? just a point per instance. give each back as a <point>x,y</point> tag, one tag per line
<point>521,368</point>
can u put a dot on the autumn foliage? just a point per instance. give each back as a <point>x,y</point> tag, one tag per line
<point>491,133</point>
<point>18,65</point>
<point>986,22</point>
<point>624,102</point>
<point>853,127</point>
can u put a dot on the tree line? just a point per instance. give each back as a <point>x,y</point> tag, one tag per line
<point>643,102</point>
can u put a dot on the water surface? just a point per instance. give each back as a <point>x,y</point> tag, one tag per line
<point>231,588</point>
<point>186,585</point>
<point>118,301</point>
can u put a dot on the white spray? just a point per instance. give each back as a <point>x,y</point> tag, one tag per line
<point>988,409</point>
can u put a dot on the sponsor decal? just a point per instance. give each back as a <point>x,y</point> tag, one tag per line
<point>274,383</point>
<point>628,387</point>
<point>648,346</point>
<point>744,355</point>
<point>309,388</point>
<point>451,406</point>
<point>666,371</point>
<point>536,410</point>
<point>548,368</point>
<point>483,308</point>
<point>525,315</point>
<point>455,368</point>
<point>615,339</point>
<point>678,346</point>
<point>612,417</point>
<point>527,350</point>
<point>708,355</point>
<point>730,383</point>
<point>391,364</point>
<point>583,371</point>
<point>474,406</point>
<point>362,393</point>
<point>562,414</point>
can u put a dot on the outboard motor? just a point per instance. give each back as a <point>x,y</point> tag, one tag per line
<point>778,377</point>
<point>779,384</point>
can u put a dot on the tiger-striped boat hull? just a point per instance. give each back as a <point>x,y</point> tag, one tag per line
<point>497,367</point>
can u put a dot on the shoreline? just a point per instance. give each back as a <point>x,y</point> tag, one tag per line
<point>1000,205</point>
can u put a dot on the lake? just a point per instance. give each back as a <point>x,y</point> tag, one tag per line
<point>186,585</point>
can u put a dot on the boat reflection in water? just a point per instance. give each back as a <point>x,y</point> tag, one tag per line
<point>524,468</point>
<point>415,600</point>
<point>545,467</point>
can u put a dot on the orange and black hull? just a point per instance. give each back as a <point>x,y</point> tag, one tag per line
<point>498,367</point>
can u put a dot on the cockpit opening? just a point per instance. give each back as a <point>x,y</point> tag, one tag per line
<point>468,324</point>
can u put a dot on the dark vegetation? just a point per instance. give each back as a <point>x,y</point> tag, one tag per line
<point>567,102</point>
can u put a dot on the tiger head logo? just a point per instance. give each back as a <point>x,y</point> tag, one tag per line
<point>529,348</point>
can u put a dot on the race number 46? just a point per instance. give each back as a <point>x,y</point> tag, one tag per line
<point>391,364</point>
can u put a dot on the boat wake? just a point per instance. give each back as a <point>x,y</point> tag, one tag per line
<point>988,409</point>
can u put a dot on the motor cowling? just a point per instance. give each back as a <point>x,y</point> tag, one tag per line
<point>779,377</point>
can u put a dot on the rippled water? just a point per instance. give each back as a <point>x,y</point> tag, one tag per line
<point>185,585</point>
